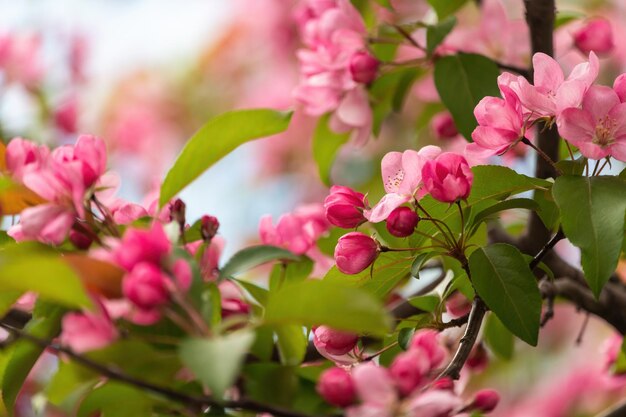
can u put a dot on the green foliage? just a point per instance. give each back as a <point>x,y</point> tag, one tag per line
<point>462,81</point>
<point>217,138</point>
<point>404,337</point>
<point>292,343</point>
<point>290,272</point>
<point>504,281</point>
<point>592,216</point>
<point>419,261</point>
<point>427,303</point>
<point>437,33</point>
<point>514,203</point>
<point>499,339</point>
<point>388,92</point>
<point>314,302</point>
<point>253,256</point>
<point>564,17</point>
<point>216,361</point>
<point>326,143</point>
<point>445,8</point>
<point>115,399</point>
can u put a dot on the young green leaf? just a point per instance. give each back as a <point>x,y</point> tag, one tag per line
<point>503,279</point>
<point>437,33</point>
<point>462,81</point>
<point>326,143</point>
<point>253,256</point>
<point>592,216</point>
<point>216,361</point>
<point>217,138</point>
<point>514,203</point>
<point>499,339</point>
<point>292,343</point>
<point>445,8</point>
<point>419,262</point>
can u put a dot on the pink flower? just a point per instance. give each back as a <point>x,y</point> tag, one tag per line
<point>448,178</point>
<point>619,85</point>
<point>66,115</point>
<point>409,370</point>
<point>21,59</point>
<point>428,342</point>
<point>457,305</point>
<point>434,403</point>
<point>402,179</point>
<point>595,36</point>
<point>80,240</point>
<point>485,401</point>
<point>344,207</point>
<point>333,342</point>
<point>363,67</point>
<point>139,245</point>
<point>376,390</point>
<point>87,331</point>
<point>599,128</point>
<point>355,252</point>
<point>402,222</point>
<point>146,286</point>
<point>209,262</point>
<point>233,302</point>
<point>353,112</point>
<point>442,125</point>
<point>124,212</point>
<point>47,223</point>
<point>209,227</point>
<point>551,92</point>
<point>336,387</point>
<point>24,156</point>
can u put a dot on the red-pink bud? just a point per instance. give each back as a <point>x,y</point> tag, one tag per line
<point>177,211</point>
<point>336,387</point>
<point>408,370</point>
<point>478,359</point>
<point>485,401</point>
<point>355,252</point>
<point>448,178</point>
<point>334,342</point>
<point>595,36</point>
<point>620,87</point>
<point>234,307</point>
<point>344,207</point>
<point>146,286</point>
<point>402,222</point>
<point>443,126</point>
<point>363,67</point>
<point>80,240</point>
<point>427,340</point>
<point>457,305</point>
<point>444,384</point>
<point>209,228</point>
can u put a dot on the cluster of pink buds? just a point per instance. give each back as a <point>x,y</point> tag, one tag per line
<point>409,387</point>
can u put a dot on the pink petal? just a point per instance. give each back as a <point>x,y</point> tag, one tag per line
<point>385,206</point>
<point>354,109</point>
<point>391,167</point>
<point>548,73</point>
<point>599,100</point>
<point>576,126</point>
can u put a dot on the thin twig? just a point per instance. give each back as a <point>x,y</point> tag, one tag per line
<point>545,249</point>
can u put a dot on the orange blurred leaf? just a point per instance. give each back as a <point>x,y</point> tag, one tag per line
<point>99,277</point>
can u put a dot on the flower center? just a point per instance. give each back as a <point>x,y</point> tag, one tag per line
<point>604,134</point>
<point>393,181</point>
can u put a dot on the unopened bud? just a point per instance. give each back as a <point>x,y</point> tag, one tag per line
<point>80,240</point>
<point>209,227</point>
<point>177,212</point>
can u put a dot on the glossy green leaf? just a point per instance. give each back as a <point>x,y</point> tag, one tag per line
<point>462,81</point>
<point>437,33</point>
<point>548,211</point>
<point>445,8</point>
<point>404,337</point>
<point>499,339</point>
<point>254,256</point>
<point>217,138</point>
<point>592,216</point>
<point>428,303</point>
<point>292,343</point>
<point>503,279</point>
<point>419,261</point>
<point>216,361</point>
<point>326,144</point>
<point>290,272</point>
<point>258,293</point>
<point>314,302</point>
<point>513,203</point>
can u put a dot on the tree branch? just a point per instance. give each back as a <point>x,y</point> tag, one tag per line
<point>618,410</point>
<point>197,402</point>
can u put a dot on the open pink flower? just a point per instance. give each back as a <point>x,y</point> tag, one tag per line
<point>402,179</point>
<point>85,331</point>
<point>598,129</point>
<point>24,156</point>
<point>140,245</point>
<point>448,178</point>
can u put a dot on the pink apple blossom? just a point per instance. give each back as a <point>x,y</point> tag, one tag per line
<point>402,179</point>
<point>485,401</point>
<point>596,35</point>
<point>363,67</point>
<point>355,252</point>
<point>428,341</point>
<point>24,156</point>
<point>85,331</point>
<point>448,178</point>
<point>336,387</point>
<point>141,245</point>
<point>233,301</point>
<point>409,370</point>
<point>333,342</point>
<point>619,85</point>
<point>402,222</point>
<point>146,286</point>
<point>47,223</point>
<point>599,128</point>
<point>344,207</point>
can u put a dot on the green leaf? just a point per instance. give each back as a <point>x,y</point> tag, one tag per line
<point>548,210</point>
<point>326,143</point>
<point>254,256</point>
<point>216,362</point>
<point>436,34</point>
<point>499,339</point>
<point>7,299</point>
<point>258,293</point>
<point>427,303</point>
<point>217,138</point>
<point>445,8</point>
<point>592,216</point>
<point>404,337</point>
<point>389,270</point>
<point>292,343</point>
<point>290,272</point>
<point>503,279</point>
<point>106,399</point>
<point>563,17</point>
<point>576,167</point>
<point>311,303</point>
<point>462,81</point>
<point>514,203</point>
<point>419,262</point>
<point>45,325</point>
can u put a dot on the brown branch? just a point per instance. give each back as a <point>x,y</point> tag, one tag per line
<point>618,410</point>
<point>197,402</point>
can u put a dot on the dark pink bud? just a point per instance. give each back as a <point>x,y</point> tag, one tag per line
<point>336,387</point>
<point>620,87</point>
<point>448,178</point>
<point>363,67</point>
<point>66,115</point>
<point>234,307</point>
<point>457,305</point>
<point>355,252</point>
<point>444,384</point>
<point>478,359</point>
<point>443,126</point>
<point>146,286</point>
<point>79,239</point>
<point>428,341</point>
<point>177,211</point>
<point>485,400</point>
<point>334,342</point>
<point>210,226</point>
<point>409,370</point>
<point>402,222</point>
<point>344,207</point>
<point>595,36</point>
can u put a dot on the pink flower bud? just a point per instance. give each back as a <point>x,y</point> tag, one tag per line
<point>595,36</point>
<point>409,370</point>
<point>363,67</point>
<point>87,331</point>
<point>336,387</point>
<point>24,156</point>
<point>344,207</point>
<point>354,252</point>
<point>139,245</point>
<point>478,359</point>
<point>80,240</point>
<point>66,115</point>
<point>457,305</point>
<point>402,222</point>
<point>485,401</point>
<point>146,286</point>
<point>210,226</point>
<point>334,342</point>
<point>443,126</point>
<point>448,177</point>
<point>620,87</point>
<point>428,341</point>
<point>177,211</point>
<point>444,384</point>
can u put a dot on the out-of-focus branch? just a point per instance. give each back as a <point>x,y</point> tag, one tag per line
<point>618,410</point>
